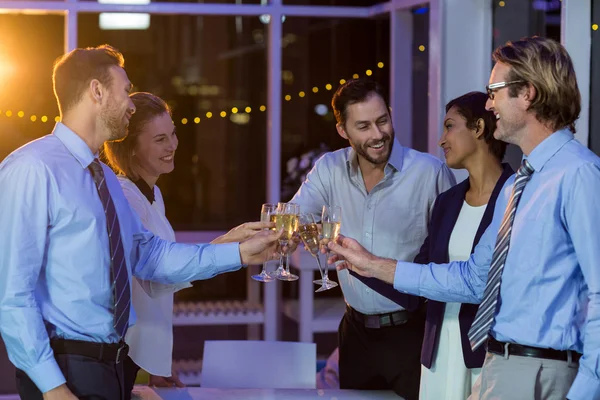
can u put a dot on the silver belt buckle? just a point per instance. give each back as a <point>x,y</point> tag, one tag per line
<point>118,360</point>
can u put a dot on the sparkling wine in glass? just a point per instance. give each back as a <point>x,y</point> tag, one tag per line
<point>267,213</point>
<point>331,220</point>
<point>309,233</point>
<point>286,219</point>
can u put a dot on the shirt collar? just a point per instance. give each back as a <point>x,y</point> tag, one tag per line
<point>548,147</point>
<point>146,190</point>
<point>395,161</point>
<point>75,144</point>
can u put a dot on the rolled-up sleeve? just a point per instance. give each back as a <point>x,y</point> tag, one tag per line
<point>24,218</point>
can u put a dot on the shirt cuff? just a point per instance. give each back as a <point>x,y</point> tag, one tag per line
<point>46,375</point>
<point>407,277</point>
<point>584,388</point>
<point>227,257</point>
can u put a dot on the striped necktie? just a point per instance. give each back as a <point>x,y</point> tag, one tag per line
<point>118,268</point>
<point>487,309</point>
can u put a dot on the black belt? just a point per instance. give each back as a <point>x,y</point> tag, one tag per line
<point>379,320</point>
<point>108,352</point>
<point>496,347</point>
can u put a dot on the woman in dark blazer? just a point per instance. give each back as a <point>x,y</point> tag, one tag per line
<point>459,217</point>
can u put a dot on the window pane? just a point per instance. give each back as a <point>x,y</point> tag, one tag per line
<point>28,48</point>
<point>420,88</point>
<point>514,20</point>
<point>317,54</point>
<point>203,66</point>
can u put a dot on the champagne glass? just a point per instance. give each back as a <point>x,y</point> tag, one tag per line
<point>331,219</point>
<point>267,214</point>
<point>294,210</point>
<point>286,219</point>
<point>309,233</point>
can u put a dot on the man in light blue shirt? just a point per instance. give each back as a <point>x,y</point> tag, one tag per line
<point>57,308</point>
<point>386,193</point>
<point>542,295</point>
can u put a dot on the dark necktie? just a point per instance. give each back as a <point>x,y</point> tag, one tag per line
<point>487,309</point>
<point>118,267</point>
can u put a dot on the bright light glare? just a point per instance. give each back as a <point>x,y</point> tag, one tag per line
<point>120,21</point>
<point>6,68</point>
<point>128,2</point>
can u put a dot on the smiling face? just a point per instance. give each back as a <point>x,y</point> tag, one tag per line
<point>458,141</point>
<point>369,129</point>
<point>511,112</point>
<point>118,108</point>
<point>154,153</point>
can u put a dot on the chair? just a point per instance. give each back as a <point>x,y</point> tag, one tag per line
<point>248,364</point>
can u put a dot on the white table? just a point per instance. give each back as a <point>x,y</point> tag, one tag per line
<point>146,393</point>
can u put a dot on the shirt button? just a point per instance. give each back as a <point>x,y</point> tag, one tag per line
<point>369,206</point>
<point>368,290</point>
<point>367,234</point>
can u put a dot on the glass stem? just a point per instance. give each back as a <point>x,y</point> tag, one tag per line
<point>287,263</point>
<point>282,244</point>
<point>325,278</point>
<point>320,266</point>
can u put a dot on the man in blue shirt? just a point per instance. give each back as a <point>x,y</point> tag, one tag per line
<point>70,242</point>
<point>535,271</point>
<point>386,193</point>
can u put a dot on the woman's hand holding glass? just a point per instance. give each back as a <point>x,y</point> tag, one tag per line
<point>286,219</point>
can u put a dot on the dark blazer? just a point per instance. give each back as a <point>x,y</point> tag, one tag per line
<point>435,249</point>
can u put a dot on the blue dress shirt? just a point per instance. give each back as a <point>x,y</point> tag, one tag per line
<point>54,263</point>
<point>550,293</point>
<point>390,221</point>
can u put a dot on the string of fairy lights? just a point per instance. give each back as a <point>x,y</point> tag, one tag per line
<point>237,114</point>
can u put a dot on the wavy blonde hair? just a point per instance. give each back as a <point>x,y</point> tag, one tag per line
<point>545,64</point>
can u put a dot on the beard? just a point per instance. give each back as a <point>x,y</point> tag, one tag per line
<point>114,123</point>
<point>362,149</point>
<point>508,130</point>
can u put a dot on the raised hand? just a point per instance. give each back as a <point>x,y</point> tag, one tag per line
<point>260,248</point>
<point>352,254</point>
<point>243,232</point>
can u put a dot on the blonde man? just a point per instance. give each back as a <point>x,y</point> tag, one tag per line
<point>535,271</point>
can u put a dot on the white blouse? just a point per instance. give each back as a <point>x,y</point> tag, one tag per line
<point>150,340</point>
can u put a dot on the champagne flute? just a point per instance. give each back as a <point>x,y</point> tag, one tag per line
<point>309,233</point>
<point>331,219</point>
<point>294,209</point>
<point>286,219</point>
<point>267,213</point>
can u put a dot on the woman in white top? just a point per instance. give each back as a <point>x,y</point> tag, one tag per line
<point>458,219</point>
<point>146,153</point>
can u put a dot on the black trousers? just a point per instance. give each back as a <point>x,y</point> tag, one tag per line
<point>130,370</point>
<point>87,378</point>
<point>382,358</point>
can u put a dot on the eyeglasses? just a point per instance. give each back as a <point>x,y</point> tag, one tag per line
<point>493,87</point>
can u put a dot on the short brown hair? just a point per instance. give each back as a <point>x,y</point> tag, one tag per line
<point>74,71</point>
<point>471,106</point>
<point>545,64</point>
<point>119,154</point>
<point>352,92</point>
